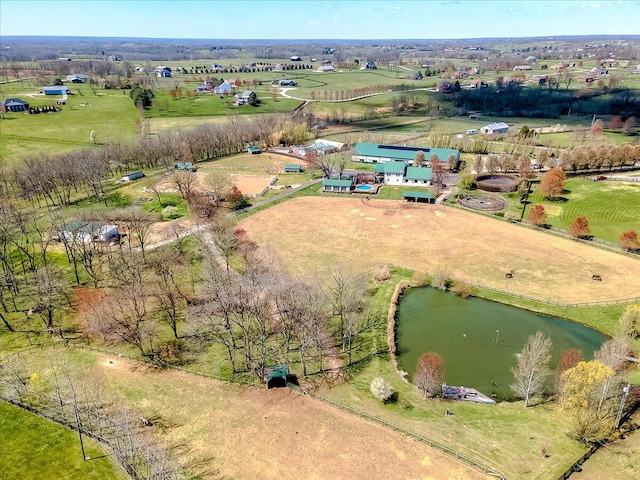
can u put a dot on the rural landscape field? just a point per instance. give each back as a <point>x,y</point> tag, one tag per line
<point>208,247</point>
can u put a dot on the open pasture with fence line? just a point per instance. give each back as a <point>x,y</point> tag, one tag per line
<point>431,238</point>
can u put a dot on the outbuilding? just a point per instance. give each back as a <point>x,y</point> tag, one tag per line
<point>492,128</point>
<point>335,185</point>
<point>87,232</point>
<point>413,196</point>
<point>380,153</point>
<point>292,168</point>
<point>132,176</point>
<point>77,78</point>
<point>56,90</point>
<point>13,105</point>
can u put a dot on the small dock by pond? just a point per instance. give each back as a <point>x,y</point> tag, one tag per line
<point>452,392</point>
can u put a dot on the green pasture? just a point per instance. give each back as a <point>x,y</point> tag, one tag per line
<point>38,449</point>
<point>206,105</point>
<point>110,114</point>
<point>611,207</point>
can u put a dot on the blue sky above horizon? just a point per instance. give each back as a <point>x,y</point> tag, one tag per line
<point>319,19</point>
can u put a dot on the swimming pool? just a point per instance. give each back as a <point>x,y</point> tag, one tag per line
<point>364,188</point>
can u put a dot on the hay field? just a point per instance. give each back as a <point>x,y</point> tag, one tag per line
<point>313,233</point>
<point>227,431</point>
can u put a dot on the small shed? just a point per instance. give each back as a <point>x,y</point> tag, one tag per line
<point>499,127</point>
<point>335,185</point>
<point>188,166</point>
<point>276,375</point>
<point>13,105</point>
<point>254,150</point>
<point>412,196</point>
<point>292,168</point>
<point>87,232</point>
<point>77,78</point>
<point>132,176</point>
<point>56,90</point>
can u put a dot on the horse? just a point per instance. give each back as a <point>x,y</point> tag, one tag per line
<point>597,278</point>
<point>509,274</point>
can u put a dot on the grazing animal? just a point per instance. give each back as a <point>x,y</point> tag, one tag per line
<point>597,278</point>
<point>509,274</point>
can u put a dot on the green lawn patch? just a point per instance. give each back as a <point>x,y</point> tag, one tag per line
<point>35,448</point>
<point>173,206</point>
<point>611,207</point>
<point>206,105</point>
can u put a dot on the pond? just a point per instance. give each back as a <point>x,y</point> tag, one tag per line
<point>479,340</point>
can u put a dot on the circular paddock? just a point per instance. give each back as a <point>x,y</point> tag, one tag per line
<point>483,202</point>
<point>497,183</point>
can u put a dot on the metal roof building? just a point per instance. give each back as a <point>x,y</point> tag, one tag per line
<point>380,153</point>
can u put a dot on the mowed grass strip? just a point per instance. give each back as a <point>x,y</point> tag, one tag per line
<point>611,207</point>
<point>35,448</point>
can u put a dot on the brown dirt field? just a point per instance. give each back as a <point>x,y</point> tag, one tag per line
<point>313,233</point>
<point>251,185</point>
<point>227,431</point>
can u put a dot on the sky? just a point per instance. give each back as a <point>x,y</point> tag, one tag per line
<point>330,19</point>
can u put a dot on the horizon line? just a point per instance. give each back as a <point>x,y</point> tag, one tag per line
<point>591,35</point>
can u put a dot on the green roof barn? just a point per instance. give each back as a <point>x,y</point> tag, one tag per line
<point>335,185</point>
<point>379,153</point>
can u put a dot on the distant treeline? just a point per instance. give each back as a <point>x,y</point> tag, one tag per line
<point>518,101</point>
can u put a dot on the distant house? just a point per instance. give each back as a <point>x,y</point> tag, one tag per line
<point>224,88</point>
<point>186,166</point>
<point>284,83</point>
<point>163,72</point>
<point>586,79</point>
<point>335,185</point>
<point>370,66</point>
<point>131,176</point>
<point>599,71</point>
<point>492,128</point>
<point>246,97</point>
<point>320,147</point>
<point>296,58</point>
<point>445,87</point>
<point>56,90</point>
<point>13,105</point>
<point>254,150</point>
<point>87,232</point>
<point>292,168</point>
<point>326,68</point>
<point>417,76</point>
<point>398,173</point>
<point>522,68</point>
<point>77,78</point>
<point>379,153</point>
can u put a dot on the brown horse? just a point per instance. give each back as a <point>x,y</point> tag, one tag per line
<point>597,278</point>
<point>509,274</point>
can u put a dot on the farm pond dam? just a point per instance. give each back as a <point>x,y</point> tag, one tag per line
<point>479,340</point>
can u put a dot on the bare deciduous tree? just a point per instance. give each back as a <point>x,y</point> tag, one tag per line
<point>428,374</point>
<point>533,367</point>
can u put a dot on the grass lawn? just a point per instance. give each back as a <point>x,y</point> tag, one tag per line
<point>206,105</point>
<point>35,448</point>
<point>173,206</point>
<point>611,207</point>
<point>110,114</point>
